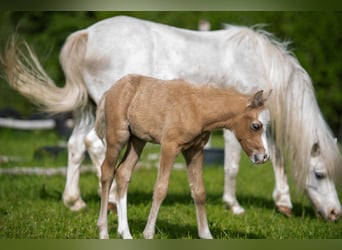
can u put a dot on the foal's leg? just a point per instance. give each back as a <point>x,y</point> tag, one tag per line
<point>76,150</point>
<point>281,192</point>
<point>194,159</point>
<point>116,140</point>
<point>123,176</point>
<point>232,154</point>
<point>97,149</point>
<point>167,158</point>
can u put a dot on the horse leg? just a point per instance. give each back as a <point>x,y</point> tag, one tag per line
<point>281,192</point>
<point>194,160</point>
<point>232,155</point>
<point>116,139</point>
<point>96,150</point>
<point>76,150</point>
<point>123,176</point>
<point>167,158</point>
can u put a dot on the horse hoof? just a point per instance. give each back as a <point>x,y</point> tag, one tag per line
<point>78,205</point>
<point>285,211</point>
<point>237,210</point>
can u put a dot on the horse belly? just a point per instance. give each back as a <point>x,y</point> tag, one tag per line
<point>146,128</point>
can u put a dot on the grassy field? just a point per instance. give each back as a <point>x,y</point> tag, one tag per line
<point>31,206</point>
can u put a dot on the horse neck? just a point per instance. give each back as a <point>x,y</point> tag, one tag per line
<point>218,109</point>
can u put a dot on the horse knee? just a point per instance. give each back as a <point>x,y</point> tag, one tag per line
<point>122,178</point>
<point>76,150</point>
<point>231,170</point>
<point>160,193</point>
<point>198,196</point>
<point>93,143</point>
<point>107,170</point>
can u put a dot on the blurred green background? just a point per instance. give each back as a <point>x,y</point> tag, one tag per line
<point>315,37</point>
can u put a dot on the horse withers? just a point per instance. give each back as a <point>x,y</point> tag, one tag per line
<point>179,116</point>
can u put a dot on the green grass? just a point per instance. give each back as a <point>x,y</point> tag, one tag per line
<point>24,145</point>
<point>31,206</point>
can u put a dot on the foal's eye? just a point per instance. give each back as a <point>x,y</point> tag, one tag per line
<point>256,126</point>
<point>320,175</point>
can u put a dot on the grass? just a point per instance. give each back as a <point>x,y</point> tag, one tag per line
<point>31,206</point>
<point>24,145</point>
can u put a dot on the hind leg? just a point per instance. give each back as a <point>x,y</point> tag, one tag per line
<point>76,150</point>
<point>117,138</point>
<point>123,176</point>
<point>97,149</point>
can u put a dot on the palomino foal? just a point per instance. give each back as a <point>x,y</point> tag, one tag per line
<point>179,116</point>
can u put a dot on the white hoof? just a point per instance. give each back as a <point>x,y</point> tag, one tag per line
<point>206,235</point>
<point>78,206</point>
<point>126,236</point>
<point>104,236</point>
<point>238,210</point>
<point>148,235</point>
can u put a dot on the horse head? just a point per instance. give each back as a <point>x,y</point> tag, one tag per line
<point>320,186</point>
<point>250,128</point>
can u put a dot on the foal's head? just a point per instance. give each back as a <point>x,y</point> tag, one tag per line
<point>250,128</point>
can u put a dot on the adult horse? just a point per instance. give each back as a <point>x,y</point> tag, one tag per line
<point>237,57</point>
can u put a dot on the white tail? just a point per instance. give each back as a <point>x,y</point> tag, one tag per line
<point>25,74</point>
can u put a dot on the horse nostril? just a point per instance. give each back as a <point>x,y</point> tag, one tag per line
<point>334,215</point>
<point>255,158</point>
<point>265,157</point>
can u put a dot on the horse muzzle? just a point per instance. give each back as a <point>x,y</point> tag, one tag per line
<point>259,158</point>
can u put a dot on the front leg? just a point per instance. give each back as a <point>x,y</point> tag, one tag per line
<point>232,154</point>
<point>167,157</point>
<point>281,192</point>
<point>194,159</point>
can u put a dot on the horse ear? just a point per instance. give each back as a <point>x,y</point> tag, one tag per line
<point>258,99</point>
<point>315,150</point>
<point>267,95</point>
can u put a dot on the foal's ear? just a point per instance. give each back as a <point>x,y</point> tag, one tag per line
<point>258,99</point>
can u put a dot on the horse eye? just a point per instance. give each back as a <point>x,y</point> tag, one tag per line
<point>320,175</point>
<point>255,126</point>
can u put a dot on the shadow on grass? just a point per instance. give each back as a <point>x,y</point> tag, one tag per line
<point>249,202</point>
<point>165,229</point>
<point>298,211</point>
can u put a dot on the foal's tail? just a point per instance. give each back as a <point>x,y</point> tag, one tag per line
<point>100,122</point>
<point>25,74</point>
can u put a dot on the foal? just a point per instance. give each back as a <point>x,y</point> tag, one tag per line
<point>179,116</point>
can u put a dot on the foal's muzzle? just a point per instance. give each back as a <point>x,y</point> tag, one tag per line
<point>259,158</point>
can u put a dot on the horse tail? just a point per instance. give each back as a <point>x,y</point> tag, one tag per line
<point>25,74</point>
<point>100,122</point>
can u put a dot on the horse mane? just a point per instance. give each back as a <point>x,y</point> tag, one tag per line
<point>296,120</point>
